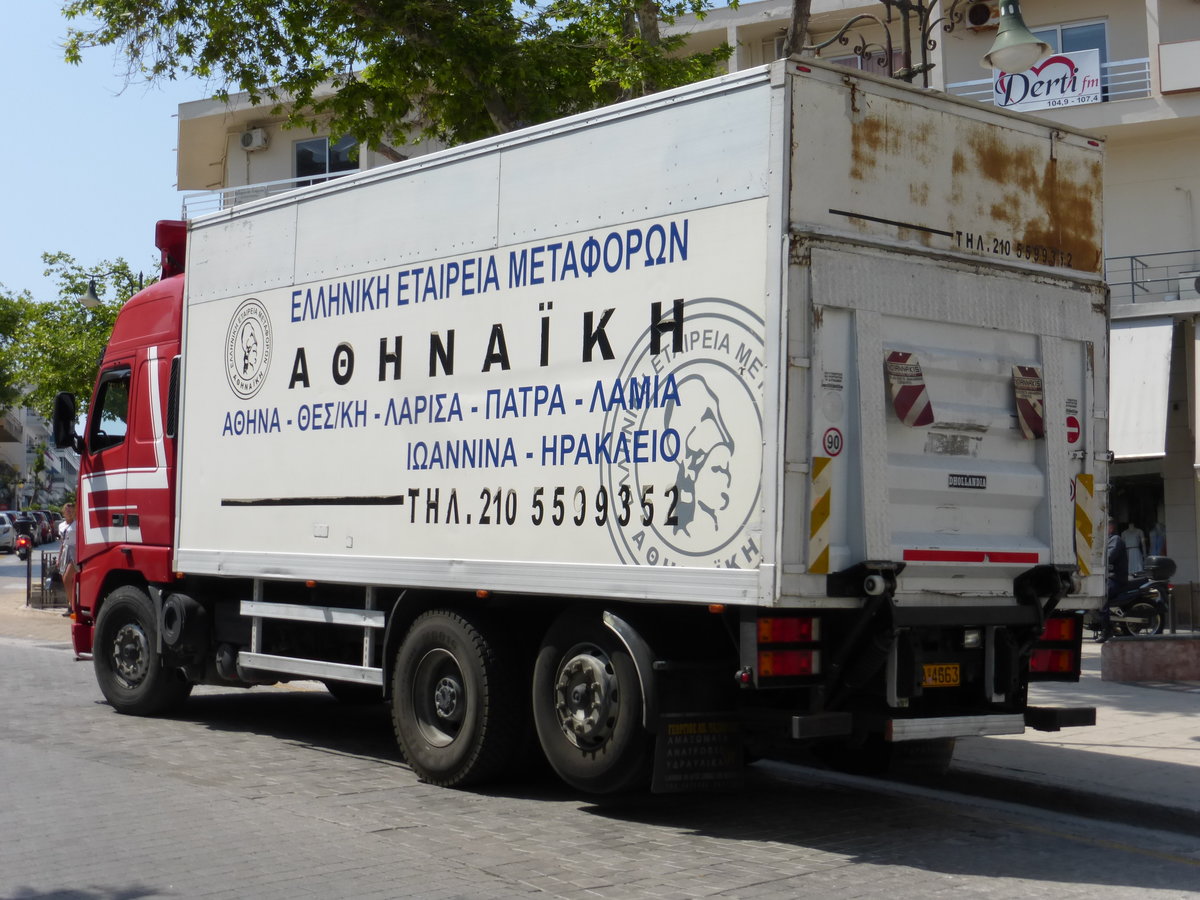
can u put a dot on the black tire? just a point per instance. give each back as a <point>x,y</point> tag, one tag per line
<point>1150,613</point>
<point>129,670</point>
<point>587,707</point>
<point>456,701</point>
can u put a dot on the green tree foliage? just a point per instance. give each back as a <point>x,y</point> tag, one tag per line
<point>386,70</point>
<point>58,343</point>
<point>12,322</point>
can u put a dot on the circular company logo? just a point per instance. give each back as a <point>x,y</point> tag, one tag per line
<point>702,419</point>
<point>248,348</point>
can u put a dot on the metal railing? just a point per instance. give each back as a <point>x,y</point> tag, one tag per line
<point>200,202</point>
<point>11,426</point>
<point>1124,79</point>
<point>1154,277</point>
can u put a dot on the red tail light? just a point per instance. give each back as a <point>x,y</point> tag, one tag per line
<point>1058,653</point>
<point>1060,629</point>
<point>787,663</point>
<point>788,647</point>
<point>787,630</point>
<point>1052,661</point>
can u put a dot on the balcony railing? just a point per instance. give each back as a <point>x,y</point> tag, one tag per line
<point>1124,79</point>
<point>201,202</point>
<point>1154,277</point>
<point>11,427</point>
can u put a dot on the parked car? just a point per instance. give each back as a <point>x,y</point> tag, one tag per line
<point>8,532</point>
<point>43,526</point>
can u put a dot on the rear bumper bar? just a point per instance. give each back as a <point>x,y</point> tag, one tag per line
<point>952,726</point>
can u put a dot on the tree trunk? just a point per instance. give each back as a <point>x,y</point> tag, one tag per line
<point>797,34</point>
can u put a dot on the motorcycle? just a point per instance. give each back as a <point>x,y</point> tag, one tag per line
<point>24,546</point>
<point>1141,608</point>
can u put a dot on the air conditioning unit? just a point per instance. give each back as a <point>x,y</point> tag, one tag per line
<point>254,139</point>
<point>983,16</point>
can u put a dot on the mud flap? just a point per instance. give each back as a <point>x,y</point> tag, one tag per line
<point>698,752</point>
<point>81,638</point>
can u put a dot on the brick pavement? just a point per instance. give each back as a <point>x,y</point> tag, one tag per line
<point>270,793</point>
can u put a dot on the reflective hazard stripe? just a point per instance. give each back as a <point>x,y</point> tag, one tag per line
<point>1085,523</point>
<point>818,529</point>
<point>1027,386</point>
<point>910,398</point>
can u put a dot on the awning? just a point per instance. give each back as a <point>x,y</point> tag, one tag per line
<point>1139,370</point>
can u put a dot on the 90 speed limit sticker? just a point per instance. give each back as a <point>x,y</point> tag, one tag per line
<point>832,442</point>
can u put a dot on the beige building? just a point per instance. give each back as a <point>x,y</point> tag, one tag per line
<point>1134,72</point>
<point>21,433</point>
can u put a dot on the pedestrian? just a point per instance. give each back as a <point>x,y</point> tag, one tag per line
<point>1118,560</point>
<point>66,556</point>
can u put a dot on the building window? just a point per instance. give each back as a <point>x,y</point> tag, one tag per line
<point>318,158</point>
<point>1079,36</point>
<point>772,48</point>
<point>875,63</point>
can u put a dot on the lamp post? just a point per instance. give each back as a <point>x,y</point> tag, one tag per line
<point>91,299</point>
<point>1015,48</point>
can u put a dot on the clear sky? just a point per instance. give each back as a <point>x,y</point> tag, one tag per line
<point>89,165</point>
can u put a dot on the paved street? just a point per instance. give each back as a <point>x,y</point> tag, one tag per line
<point>282,792</point>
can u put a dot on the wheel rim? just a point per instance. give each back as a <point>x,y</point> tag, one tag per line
<point>587,697</point>
<point>1147,612</point>
<point>131,655</point>
<point>439,697</point>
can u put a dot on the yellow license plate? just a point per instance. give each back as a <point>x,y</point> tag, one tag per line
<point>942,675</point>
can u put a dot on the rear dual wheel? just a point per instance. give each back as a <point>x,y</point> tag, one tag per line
<point>587,707</point>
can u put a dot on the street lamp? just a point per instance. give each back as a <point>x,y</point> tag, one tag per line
<point>91,299</point>
<point>1014,50</point>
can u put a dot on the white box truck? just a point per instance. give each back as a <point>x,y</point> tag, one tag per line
<point>765,411</point>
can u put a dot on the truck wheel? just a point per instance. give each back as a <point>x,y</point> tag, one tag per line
<point>1152,619</point>
<point>129,670</point>
<point>587,706</point>
<point>456,705</point>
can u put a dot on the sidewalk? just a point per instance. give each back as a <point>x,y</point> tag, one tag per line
<point>1144,748</point>
<point>19,621</point>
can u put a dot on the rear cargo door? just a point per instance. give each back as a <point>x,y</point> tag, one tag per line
<point>952,413</point>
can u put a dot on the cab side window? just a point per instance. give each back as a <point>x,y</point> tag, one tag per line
<point>108,419</point>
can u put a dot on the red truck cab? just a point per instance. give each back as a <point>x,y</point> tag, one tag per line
<point>126,503</point>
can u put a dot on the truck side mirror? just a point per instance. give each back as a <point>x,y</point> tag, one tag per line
<point>64,423</point>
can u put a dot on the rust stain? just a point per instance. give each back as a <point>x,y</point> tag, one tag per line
<point>818,317</point>
<point>958,163</point>
<point>1051,209</point>
<point>868,139</point>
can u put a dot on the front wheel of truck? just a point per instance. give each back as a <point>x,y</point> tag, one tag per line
<point>128,668</point>
<point>456,704</point>
<point>587,706</point>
